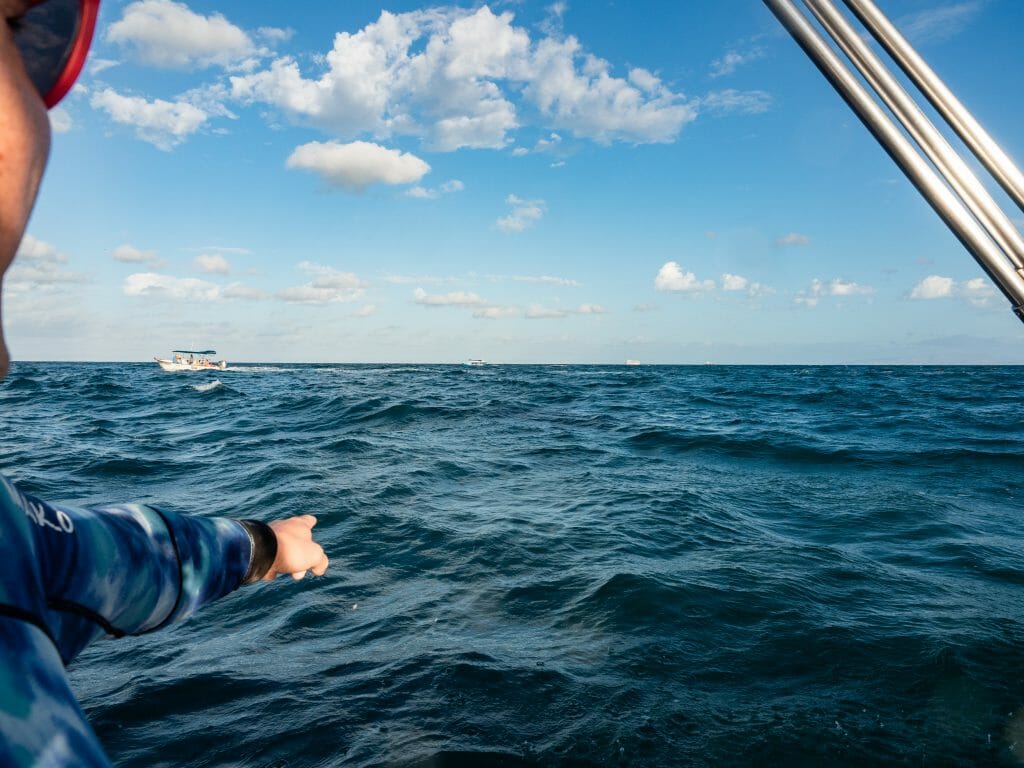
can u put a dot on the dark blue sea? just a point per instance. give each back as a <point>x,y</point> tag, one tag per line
<point>564,566</point>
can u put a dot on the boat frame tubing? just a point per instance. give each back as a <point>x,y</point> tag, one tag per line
<point>951,209</point>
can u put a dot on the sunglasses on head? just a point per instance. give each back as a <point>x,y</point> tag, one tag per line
<point>53,37</point>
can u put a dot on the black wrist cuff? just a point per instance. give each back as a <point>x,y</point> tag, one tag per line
<point>264,549</point>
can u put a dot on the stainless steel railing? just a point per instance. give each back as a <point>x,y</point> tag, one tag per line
<point>934,167</point>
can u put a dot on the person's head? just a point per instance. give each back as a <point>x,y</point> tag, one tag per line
<point>42,48</point>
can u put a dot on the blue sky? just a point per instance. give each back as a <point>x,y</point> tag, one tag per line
<point>516,181</point>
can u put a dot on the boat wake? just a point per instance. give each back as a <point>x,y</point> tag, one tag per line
<point>208,386</point>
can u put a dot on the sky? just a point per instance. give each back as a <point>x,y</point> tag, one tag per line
<point>522,182</point>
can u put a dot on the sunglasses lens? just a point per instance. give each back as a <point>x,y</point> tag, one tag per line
<point>45,36</point>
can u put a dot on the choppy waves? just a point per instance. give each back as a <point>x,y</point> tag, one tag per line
<point>564,566</point>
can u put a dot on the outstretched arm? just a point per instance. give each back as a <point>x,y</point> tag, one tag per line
<point>131,568</point>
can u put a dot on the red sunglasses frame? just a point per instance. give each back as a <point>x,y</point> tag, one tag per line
<point>89,11</point>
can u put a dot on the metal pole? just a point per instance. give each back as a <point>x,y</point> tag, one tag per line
<point>970,131</point>
<point>921,175</point>
<point>950,165</point>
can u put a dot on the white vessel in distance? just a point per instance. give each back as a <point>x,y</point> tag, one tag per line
<point>474,362</point>
<point>191,360</point>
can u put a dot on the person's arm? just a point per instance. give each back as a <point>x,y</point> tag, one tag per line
<point>130,569</point>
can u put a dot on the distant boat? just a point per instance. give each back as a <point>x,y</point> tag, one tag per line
<point>632,362</point>
<point>191,360</point>
<point>474,362</point>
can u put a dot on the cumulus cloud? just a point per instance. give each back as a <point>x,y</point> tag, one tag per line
<point>159,286</point>
<point>546,280</point>
<point>591,309</point>
<point>734,282</point>
<point>525,213</point>
<point>450,76</point>
<point>365,311</point>
<point>38,264</point>
<point>835,287</point>
<point>60,120</point>
<point>977,291</point>
<point>671,277</point>
<point>423,193</point>
<point>732,60</point>
<point>244,292</point>
<point>97,65</point>
<point>495,312</point>
<point>166,34</point>
<point>357,165</point>
<point>129,254</point>
<point>327,285</point>
<point>539,312</point>
<point>839,287</point>
<point>793,239</point>
<point>212,262</point>
<point>409,279</point>
<point>163,124</point>
<point>453,299</point>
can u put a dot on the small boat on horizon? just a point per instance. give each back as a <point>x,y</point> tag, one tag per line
<point>474,362</point>
<point>191,360</point>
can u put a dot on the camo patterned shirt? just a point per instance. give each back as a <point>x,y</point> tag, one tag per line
<point>68,576</point>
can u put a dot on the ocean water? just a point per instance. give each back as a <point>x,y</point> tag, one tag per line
<point>564,566</point>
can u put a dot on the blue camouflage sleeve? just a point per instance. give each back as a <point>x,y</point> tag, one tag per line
<point>67,576</point>
<point>127,569</point>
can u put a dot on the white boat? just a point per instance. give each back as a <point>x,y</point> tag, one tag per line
<point>474,362</point>
<point>632,362</point>
<point>191,360</point>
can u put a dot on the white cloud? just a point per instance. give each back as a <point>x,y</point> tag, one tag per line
<point>936,25</point>
<point>212,262</point>
<point>422,193</point>
<point>38,264</point>
<point>450,76</point>
<point>409,279</point>
<point>546,280</point>
<point>539,312</point>
<point>101,65</point>
<point>834,287</point>
<point>365,311</point>
<point>129,254</point>
<point>732,60</point>
<point>244,292</point>
<point>672,278</point>
<point>591,309</point>
<point>357,165</point>
<point>275,34</point>
<point>155,285</point>
<point>163,124</point>
<point>793,239</point>
<point>839,287</point>
<point>524,214</point>
<point>60,120</point>
<point>495,312</point>
<point>934,287</point>
<point>734,282</point>
<point>163,33</point>
<point>327,285</point>
<point>731,101</point>
<point>976,291</point>
<point>453,299</point>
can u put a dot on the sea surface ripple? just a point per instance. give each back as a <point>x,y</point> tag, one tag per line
<point>563,566</point>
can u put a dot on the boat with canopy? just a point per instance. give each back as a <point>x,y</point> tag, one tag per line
<point>191,360</point>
